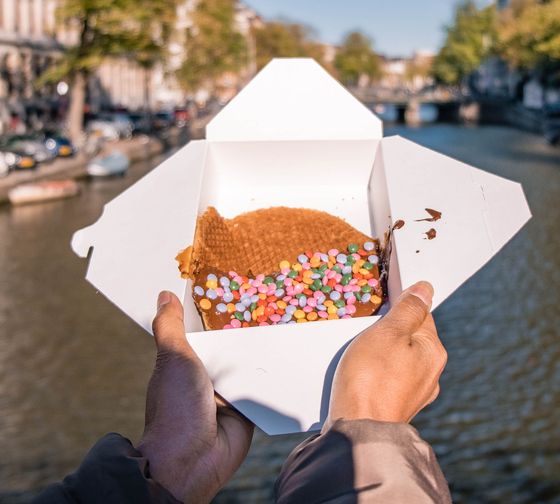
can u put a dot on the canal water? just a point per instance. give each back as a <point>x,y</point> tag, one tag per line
<point>72,367</point>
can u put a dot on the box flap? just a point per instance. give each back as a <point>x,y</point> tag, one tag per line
<point>279,377</point>
<point>294,99</point>
<point>139,234</point>
<point>480,213</point>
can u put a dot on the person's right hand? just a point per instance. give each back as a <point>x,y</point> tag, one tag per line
<point>391,370</point>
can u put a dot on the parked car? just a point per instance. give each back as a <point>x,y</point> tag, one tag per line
<point>103,128</point>
<point>111,126</point>
<point>551,124</point>
<point>124,124</point>
<point>14,160</point>
<point>140,122</point>
<point>58,143</point>
<point>29,145</point>
<point>182,116</point>
<point>4,166</point>
<point>163,120</point>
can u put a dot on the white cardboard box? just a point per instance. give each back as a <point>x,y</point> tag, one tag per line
<point>295,137</point>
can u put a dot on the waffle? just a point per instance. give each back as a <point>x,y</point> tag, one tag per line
<point>255,242</point>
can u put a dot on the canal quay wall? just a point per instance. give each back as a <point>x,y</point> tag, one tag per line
<point>505,113</point>
<point>492,112</point>
<point>139,148</point>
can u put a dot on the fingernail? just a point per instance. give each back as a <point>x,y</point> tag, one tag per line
<point>163,298</point>
<point>422,290</point>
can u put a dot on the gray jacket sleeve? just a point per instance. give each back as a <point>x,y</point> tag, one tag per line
<point>362,461</point>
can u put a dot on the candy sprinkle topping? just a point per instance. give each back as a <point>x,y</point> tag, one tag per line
<point>317,287</point>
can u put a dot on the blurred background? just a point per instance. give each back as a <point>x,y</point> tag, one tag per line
<point>94,94</point>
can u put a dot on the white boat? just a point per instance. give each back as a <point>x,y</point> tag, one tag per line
<point>38,192</point>
<point>115,163</point>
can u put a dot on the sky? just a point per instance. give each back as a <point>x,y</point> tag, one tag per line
<point>398,27</point>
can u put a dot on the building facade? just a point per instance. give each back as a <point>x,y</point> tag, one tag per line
<point>31,41</point>
<point>27,47</point>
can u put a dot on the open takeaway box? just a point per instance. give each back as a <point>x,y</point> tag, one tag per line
<point>295,137</point>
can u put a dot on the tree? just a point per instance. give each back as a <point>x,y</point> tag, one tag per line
<point>107,29</point>
<point>278,39</point>
<point>156,17</point>
<point>529,34</point>
<point>355,58</point>
<point>214,45</point>
<point>469,40</point>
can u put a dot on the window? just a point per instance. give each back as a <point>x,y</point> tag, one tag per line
<point>31,14</point>
<point>17,15</point>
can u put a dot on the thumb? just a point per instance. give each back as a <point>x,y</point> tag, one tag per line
<point>411,309</point>
<point>168,325</point>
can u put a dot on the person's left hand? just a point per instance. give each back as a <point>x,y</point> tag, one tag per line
<point>193,441</point>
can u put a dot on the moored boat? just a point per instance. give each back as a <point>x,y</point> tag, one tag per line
<point>38,192</point>
<point>113,164</point>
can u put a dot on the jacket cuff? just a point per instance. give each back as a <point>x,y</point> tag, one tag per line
<point>381,461</point>
<point>113,471</point>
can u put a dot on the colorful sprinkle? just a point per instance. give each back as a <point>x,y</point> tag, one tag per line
<point>334,295</point>
<point>318,286</point>
<point>291,309</point>
<point>341,258</point>
<point>373,259</point>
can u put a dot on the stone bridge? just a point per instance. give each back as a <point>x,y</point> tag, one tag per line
<point>450,106</point>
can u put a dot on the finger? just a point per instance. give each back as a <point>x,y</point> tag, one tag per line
<point>224,407</point>
<point>236,432</point>
<point>434,395</point>
<point>428,337</point>
<point>427,333</point>
<point>168,326</point>
<point>431,398</point>
<point>429,325</point>
<point>410,310</point>
<point>179,376</point>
